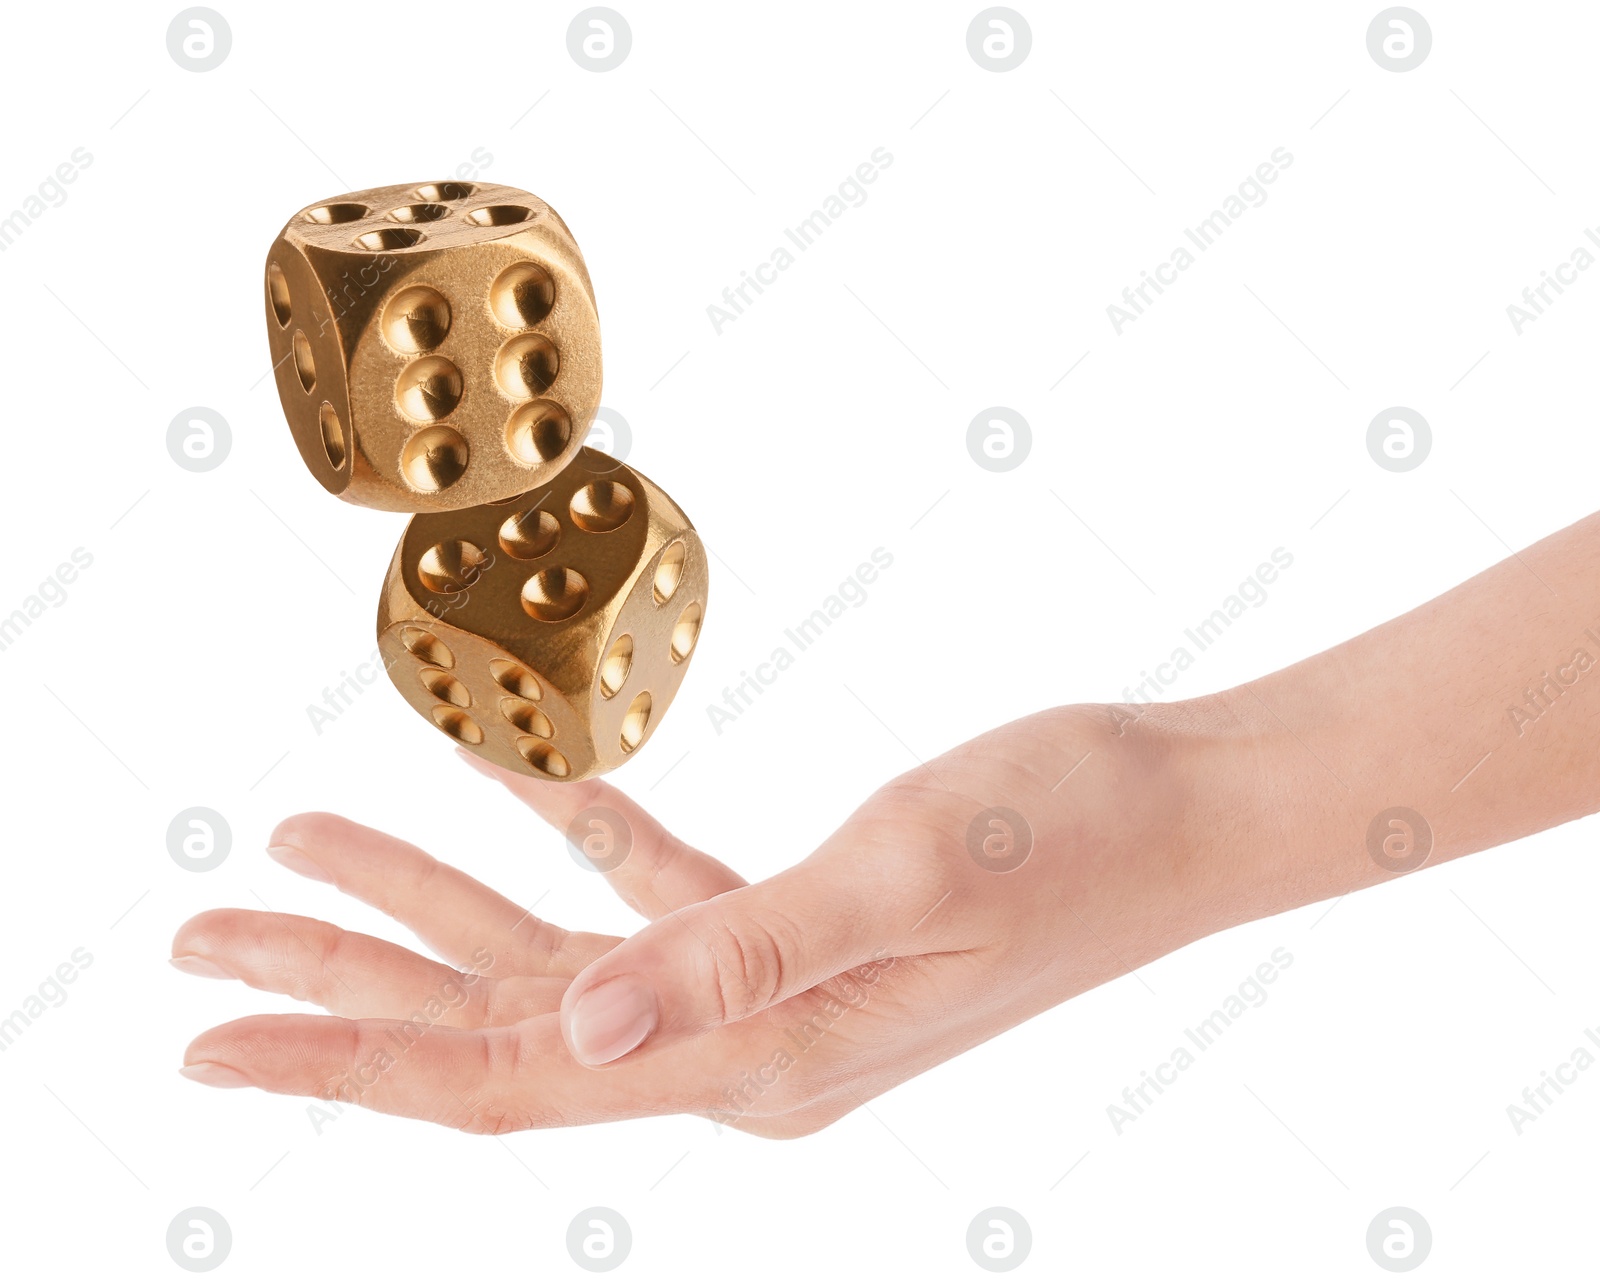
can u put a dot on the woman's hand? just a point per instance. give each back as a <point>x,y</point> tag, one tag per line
<point>1009,874</point>
<point>923,926</point>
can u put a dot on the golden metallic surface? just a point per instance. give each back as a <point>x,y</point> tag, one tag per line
<point>437,351</point>
<point>436,345</point>
<point>548,632</point>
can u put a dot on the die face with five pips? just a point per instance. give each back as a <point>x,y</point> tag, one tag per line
<point>437,351</point>
<point>436,346</point>
<point>548,633</point>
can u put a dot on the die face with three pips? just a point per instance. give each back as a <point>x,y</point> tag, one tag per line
<point>437,351</point>
<point>435,346</point>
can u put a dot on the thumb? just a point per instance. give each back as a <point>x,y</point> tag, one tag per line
<point>716,962</point>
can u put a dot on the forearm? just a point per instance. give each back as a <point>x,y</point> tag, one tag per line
<point>1478,711</point>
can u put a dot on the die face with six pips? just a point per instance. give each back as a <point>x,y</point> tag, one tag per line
<point>436,346</point>
<point>437,351</point>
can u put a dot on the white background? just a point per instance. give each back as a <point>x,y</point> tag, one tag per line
<point>827,421</point>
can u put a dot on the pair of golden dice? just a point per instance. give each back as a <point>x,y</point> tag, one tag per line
<point>437,351</point>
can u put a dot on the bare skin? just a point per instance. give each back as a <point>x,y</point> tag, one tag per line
<point>903,941</point>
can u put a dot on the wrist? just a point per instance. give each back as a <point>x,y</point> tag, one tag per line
<point>1168,810</point>
<point>1235,797</point>
<point>1277,827</point>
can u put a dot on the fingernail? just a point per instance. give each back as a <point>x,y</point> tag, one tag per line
<point>610,1020</point>
<point>199,966</point>
<point>297,862</point>
<point>215,1074</point>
